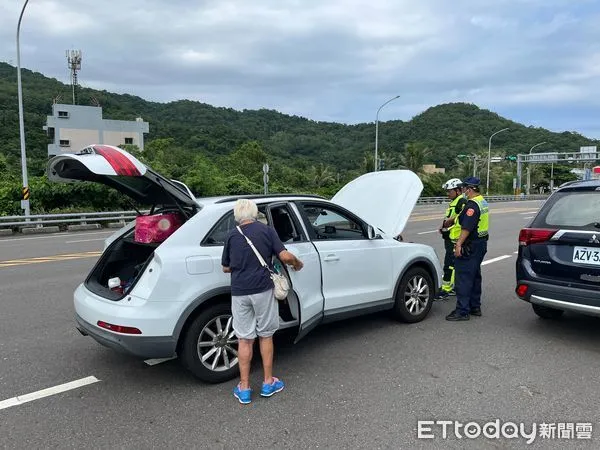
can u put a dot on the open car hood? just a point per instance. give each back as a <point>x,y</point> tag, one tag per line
<point>118,169</point>
<point>383,199</point>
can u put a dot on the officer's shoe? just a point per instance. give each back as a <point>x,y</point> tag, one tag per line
<point>455,316</point>
<point>476,312</point>
<point>443,295</point>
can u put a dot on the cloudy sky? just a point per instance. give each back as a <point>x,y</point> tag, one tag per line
<point>533,61</point>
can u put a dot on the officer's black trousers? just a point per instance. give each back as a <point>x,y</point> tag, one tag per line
<point>468,277</point>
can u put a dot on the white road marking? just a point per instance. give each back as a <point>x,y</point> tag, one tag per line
<point>54,235</point>
<point>516,253</point>
<point>493,260</point>
<point>153,362</point>
<point>528,212</point>
<point>85,240</point>
<point>428,232</point>
<point>15,401</point>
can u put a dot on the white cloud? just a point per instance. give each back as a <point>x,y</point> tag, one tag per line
<point>328,60</point>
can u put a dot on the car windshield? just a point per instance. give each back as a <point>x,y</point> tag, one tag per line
<point>577,210</point>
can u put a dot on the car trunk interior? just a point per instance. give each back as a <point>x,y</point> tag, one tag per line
<point>125,259</point>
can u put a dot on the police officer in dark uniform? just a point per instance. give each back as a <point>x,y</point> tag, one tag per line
<point>470,249</point>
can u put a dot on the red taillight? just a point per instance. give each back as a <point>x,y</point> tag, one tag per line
<point>529,236</point>
<point>118,328</point>
<point>522,290</point>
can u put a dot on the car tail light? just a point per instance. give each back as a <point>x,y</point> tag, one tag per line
<point>522,290</point>
<point>118,328</point>
<point>529,236</point>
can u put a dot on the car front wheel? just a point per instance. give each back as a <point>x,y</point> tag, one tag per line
<point>414,296</point>
<point>210,346</point>
<point>547,313</point>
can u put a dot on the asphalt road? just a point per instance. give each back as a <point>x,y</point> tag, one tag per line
<point>362,383</point>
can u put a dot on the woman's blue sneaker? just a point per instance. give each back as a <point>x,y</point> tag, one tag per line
<point>244,396</point>
<point>270,389</point>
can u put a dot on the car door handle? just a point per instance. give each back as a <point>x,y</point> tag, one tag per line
<point>331,258</point>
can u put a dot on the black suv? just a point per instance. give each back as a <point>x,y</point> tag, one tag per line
<point>558,267</point>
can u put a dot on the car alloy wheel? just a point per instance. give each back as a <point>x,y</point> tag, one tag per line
<point>217,344</point>
<point>416,295</point>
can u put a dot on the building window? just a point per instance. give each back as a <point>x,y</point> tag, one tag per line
<point>65,143</point>
<point>128,141</point>
<point>63,114</point>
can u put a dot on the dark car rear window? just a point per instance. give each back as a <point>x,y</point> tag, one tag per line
<point>575,210</point>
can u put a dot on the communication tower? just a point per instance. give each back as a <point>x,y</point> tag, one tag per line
<point>74,61</point>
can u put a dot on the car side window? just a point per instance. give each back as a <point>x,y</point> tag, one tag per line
<point>332,224</point>
<point>287,228</point>
<point>218,234</point>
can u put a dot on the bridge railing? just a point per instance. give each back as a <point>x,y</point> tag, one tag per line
<point>121,217</point>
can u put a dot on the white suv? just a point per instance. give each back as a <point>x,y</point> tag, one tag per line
<point>177,302</point>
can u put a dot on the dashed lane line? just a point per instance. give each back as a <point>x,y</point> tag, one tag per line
<point>46,259</point>
<point>493,260</point>
<point>153,362</point>
<point>19,400</point>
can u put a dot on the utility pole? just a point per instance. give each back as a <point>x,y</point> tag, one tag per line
<point>376,162</point>
<point>25,201</point>
<point>490,158</point>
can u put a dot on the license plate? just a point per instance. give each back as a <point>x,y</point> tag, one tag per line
<point>587,255</point>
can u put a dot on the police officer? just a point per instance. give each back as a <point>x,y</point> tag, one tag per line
<point>450,232</point>
<point>470,249</point>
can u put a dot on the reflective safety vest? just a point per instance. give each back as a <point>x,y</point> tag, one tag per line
<point>454,230</point>
<point>484,216</point>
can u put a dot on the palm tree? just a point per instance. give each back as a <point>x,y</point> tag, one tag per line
<point>415,155</point>
<point>321,175</point>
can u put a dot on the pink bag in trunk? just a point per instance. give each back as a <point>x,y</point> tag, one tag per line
<point>156,228</point>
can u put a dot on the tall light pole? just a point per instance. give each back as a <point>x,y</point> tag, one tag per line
<point>489,159</point>
<point>377,130</point>
<point>25,201</point>
<point>529,168</point>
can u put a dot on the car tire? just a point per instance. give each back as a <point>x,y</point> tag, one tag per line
<point>197,342</point>
<point>405,308</point>
<point>547,313</point>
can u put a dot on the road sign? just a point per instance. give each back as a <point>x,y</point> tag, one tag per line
<point>26,193</point>
<point>588,149</point>
<point>496,159</point>
<point>514,183</point>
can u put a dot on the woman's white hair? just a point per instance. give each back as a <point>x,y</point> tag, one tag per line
<point>245,209</point>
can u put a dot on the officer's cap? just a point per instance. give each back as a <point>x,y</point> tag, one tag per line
<point>471,181</point>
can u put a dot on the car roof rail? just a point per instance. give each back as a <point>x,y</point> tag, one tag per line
<point>260,196</point>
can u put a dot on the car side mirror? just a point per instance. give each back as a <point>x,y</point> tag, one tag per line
<point>371,233</point>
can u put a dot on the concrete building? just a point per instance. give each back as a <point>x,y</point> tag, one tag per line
<point>73,127</point>
<point>431,169</point>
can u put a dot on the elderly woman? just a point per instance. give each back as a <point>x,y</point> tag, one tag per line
<point>253,304</point>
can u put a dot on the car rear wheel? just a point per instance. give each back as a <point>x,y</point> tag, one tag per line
<point>547,313</point>
<point>210,347</point>
<point>414,296</point>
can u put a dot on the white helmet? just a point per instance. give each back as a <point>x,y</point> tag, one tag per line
<point>454,183</point>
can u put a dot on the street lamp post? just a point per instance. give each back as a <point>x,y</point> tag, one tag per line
<point>490,158</point>
<point>25,202</point>
<point>529,168</point>
<point>377,130</point>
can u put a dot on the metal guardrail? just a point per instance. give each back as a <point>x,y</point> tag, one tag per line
<point>85,218</point>
<point>491,199</point>
<point>67,218</point>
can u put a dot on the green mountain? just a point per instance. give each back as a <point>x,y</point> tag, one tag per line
<point>305,155</point>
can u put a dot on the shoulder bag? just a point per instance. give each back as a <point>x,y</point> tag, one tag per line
<point>280,282</point>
